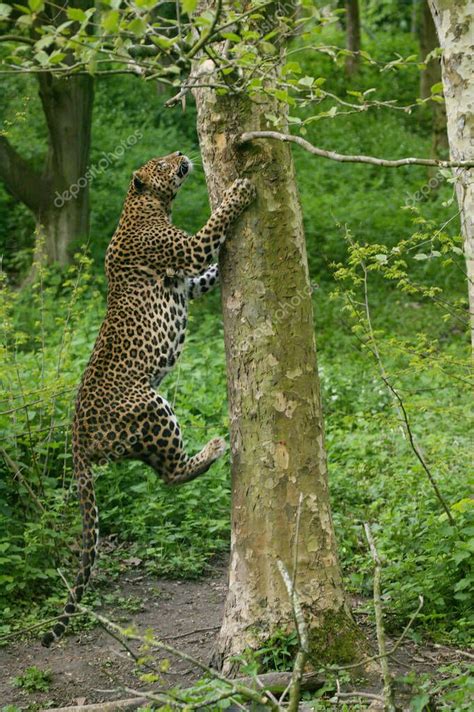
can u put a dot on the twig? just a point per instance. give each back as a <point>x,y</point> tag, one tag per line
<point>191,632</point>
<point>238,689</point>
<point>303,648</point>
<point>277,682</point>
<point>344,158</point>
<point>42,624</point>
<point>387,680</point>
<point>114,706</point>
<point>398,399</point>
<point>358,694</point>
<point>205,37</point>
<point>17,472</point>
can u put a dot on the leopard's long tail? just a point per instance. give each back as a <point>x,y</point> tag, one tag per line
<point>90,537</point>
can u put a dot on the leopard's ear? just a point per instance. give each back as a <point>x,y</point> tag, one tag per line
<point>138,184</point>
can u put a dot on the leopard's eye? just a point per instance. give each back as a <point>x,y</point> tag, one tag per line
<point>161,165</point>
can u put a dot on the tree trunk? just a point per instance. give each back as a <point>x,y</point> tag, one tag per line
<point>429,77</point>
<point>276,424</point>
<point>59,196</point>
<point>352,35</point>
<point>454,23</point>
<point>67,105</point>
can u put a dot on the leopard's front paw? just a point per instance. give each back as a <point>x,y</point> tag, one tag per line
<point>242,192</point>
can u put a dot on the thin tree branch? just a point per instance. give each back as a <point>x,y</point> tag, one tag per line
<point>259,697</point>
<point>303,651</point>
<point>399,400</point>
<point>19,476</point>
<point>389,705</point>
<point>344,158</point>
<point>205,37</point>
<point>113,706</point>
<point>17,38</point>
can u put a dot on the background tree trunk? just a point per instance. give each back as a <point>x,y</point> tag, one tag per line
<point>67,105</point>
<point>59,196</point>
<point>429,77</point>
<point>454,23</point>
<point>352,35</point>
<point>276,424</point>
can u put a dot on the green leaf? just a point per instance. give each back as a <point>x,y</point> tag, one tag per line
<point>110,21</point>
<point>231,36</point>
<point>291,68</point>
<point>137,26</point>
<point>437,88</point>
<point>36,5</point>
<point>5,10</point>
<point>76,14</point>
<point>146,4</point>
<point>44,42</point>
<point>56,57</point>
<point>188,6</point>
<point>163,42</point>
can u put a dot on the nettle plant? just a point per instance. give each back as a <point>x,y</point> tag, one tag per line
<point>42,354</point>
<point>425,375</point>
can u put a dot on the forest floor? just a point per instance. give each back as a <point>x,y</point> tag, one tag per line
<point>91,666</point>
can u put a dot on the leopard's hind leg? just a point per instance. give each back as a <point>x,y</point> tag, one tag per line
<point>163,449</point>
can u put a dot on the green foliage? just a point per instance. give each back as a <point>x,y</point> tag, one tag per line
<point>451,689</point>
<point>408,238</point>
<point>278,652</point>
<point>34,680</point>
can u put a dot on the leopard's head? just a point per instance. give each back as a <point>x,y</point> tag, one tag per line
<point>162,176</point>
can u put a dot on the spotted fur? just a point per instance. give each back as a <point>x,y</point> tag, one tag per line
<point>153,269</point>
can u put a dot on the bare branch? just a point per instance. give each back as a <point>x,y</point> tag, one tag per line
<point>302,630</point>
<point>237,688</point>
<point>205,37</point>
<point>344,158</point>
<point>12,465</point>
<point>114,706</point>
<point>17,38</point>
<point>387,680</point>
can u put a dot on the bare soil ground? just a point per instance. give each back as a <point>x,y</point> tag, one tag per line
<point>93,667</point>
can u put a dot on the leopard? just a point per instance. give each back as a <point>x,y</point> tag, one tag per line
<point>153,270</point>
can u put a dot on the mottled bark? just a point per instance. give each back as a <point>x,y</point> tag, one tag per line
<point>352,35</point>
<point>276,424</point>
<point>454,21</point>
